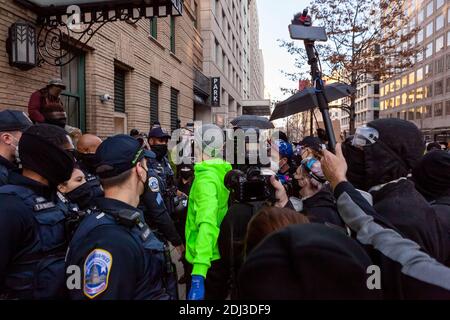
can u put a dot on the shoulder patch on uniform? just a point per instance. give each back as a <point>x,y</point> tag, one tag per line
<point>153,184</point>
<point>97,268</point>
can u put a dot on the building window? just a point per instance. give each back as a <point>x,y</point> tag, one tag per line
<point>439,22</point>
<point>376,89</point>
<point>439,44</point>
<point>429,50</point>
<point>419,93</point>
<point>404,81</point>
<point>420,36</point>
<point>404,98</point>
<point>119,90</point>
<point>447,108</point>
<point>418,113</point>
<point>421,16</point>
<point>419,75</point>
<point>429,30</point>
<point>440,65</point>
<point>73,98</point>
<point>428,111</point>
<point>428,70</point>
<point>439,3</point>
<point>429,9</point>
<point>173,109</point>
<point>154,27</point>
<point>439,87</point>
<point>154,101</point>
<point>411,114</point>
<point>172,34</point>
<point>411,96</point>
<point>438,109</point>
<point>411,78</point>
<point>429,91</point>
<point>447,85</point>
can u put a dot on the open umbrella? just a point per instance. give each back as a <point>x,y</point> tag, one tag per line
<point>307,99</point>
<point>251,121</point>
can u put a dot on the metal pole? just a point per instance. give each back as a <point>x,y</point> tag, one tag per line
<point>323,103</point>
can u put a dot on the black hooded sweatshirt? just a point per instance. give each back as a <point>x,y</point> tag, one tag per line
<point>381,168</point>
<point>432,179</point>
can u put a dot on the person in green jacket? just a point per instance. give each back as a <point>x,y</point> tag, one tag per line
<point>208,204</point>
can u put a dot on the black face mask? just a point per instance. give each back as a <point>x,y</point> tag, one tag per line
<point>89,160</point>
<point>160,150</point>
<point>83,196</point>
<point>356,173</point>
<point>186,175</point>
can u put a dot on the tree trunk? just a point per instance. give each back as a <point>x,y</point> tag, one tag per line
<point>352,128</point>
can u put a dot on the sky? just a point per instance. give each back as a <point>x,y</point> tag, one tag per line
<point>274,18</point>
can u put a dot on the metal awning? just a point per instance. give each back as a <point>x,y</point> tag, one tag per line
<point>256,107</point>
<point>90,10</point>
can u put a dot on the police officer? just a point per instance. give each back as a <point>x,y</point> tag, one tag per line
<point>119,256</point>
<point>86,159</point>
<point>12,124</point>
<point>158,139</point>
<point>33,234</point>
<point>154,208</point>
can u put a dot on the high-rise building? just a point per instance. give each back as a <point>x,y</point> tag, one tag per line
<point>422,93</point>
<point>228,30</point>
<point>367,106</point>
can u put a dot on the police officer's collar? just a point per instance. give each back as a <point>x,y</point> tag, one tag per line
<point>37,187</point>
<point>8,164</point>
<point>107,204</point>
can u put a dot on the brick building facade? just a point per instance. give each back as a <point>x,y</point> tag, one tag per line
<point>148,68</point>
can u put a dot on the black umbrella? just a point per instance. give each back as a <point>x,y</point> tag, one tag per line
<point>307,99</point>
<point>251,121</point>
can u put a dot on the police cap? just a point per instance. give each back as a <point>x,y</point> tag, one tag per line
<point>158,132</point>
<point>12,120</point>
<point>118,154</point>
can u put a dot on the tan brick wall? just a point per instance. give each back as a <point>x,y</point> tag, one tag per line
<point>16,86</point>
<point>128,46</point>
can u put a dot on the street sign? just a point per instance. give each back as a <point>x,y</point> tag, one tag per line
<point>215,94</point>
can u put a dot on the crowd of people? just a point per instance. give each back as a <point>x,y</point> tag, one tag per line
<point>87,218</point>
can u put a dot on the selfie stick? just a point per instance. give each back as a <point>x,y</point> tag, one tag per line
<point>305,21</point>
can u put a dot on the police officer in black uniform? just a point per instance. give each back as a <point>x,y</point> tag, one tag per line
<point>154,208</point>
<point>33,233</point>
<point>119,256</point>
<point>12,124</point>
<point>158,139</point>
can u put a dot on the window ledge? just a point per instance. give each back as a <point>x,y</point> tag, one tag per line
<point>155,41</point>
<point>173,55</point>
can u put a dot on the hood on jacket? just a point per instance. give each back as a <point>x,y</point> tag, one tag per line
<point>432,175</point>
<point>220,167</point>
<point>310,261</point>
<point>399,148</point>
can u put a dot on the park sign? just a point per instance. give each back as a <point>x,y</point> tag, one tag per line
<point>215,94</point>
<point>90,10</point>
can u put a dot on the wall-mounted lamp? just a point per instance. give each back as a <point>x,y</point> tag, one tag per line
<point>21,45</point>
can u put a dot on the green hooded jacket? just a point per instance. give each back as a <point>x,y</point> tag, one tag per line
<point>208,204</point>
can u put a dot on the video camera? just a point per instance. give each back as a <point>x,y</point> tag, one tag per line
<point>250,181</point>
<point>252,186</point>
